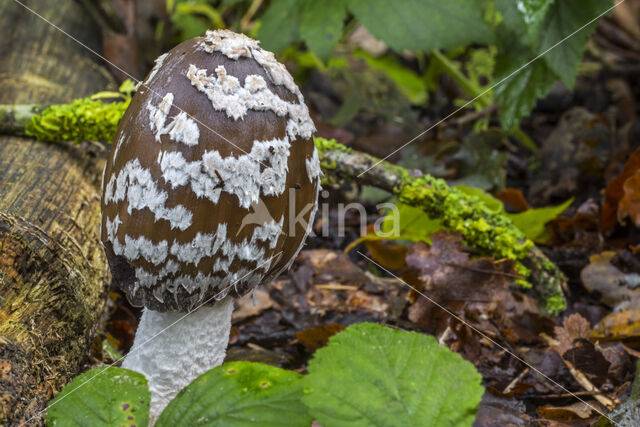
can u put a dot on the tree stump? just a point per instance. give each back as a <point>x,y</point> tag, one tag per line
<point>53,273</point>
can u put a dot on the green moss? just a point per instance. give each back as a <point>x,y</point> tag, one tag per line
<point>490,232</point>
<point>83,120</point>
<point>323,144</point>
<point>555,305</point>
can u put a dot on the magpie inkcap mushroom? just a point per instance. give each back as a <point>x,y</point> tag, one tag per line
<point>210,190</point>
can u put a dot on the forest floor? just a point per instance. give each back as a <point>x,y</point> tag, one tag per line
<point>588,140</point>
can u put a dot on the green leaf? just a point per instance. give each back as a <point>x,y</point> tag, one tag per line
<point>321,26</point>
<point>524,16</point>
<point>532,222</point>
<point>108,396</point>
<point>562,20</point>
<point>423,25</point>
<point>370,374</point>
<point>279,25</point>
<point>408,82</point>
<point>239,394</point>
<point>414,224</point>
<point>518,85</point>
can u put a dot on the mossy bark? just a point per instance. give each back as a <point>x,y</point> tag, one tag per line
<point>52,269</point>
<point>490,233</point>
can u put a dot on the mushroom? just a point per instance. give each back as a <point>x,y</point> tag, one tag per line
<point>210,190</point>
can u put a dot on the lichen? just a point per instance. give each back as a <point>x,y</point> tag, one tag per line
<point>84,119</point>
<point>323,144</point>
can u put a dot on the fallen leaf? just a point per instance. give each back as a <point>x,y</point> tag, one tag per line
<point>629,205</point>
<point>605,279</point>
<point>251,305</point>
<point>318,336</point>
<point>573,327</point>
<point>497,410</point>
<point>514,198</point>
<point>388,255</point>
<point>619,325</point>
<point>614,192</point>
<point>575,412</point>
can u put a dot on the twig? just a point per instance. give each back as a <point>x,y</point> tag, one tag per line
<point>515,381</point>
<point>588,386</point>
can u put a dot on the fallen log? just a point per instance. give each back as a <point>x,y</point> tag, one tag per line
<point>52,269</point>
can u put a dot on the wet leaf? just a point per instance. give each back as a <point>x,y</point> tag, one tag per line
<point>615,191</point>
<point>251,305</point>
<point>239,394</point>
<point>620,325</point>
<point>321,26</point>
<point>532,222</point>
<point>373,375</point>
<point>575,412</point>
<point>107,396</point>
<point>318,336</point>
<point>514,198</point>
<point>606,280</point>
<point>422,25</point>
<point>629,205</point>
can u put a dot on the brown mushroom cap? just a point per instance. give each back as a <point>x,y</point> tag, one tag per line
<point>211,165</point>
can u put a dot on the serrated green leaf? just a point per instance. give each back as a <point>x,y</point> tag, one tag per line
<point>524,16</point>
<point>321,26</point>
<point>239,394</point>
<point>108,396</point>
<point>370,374</point>
<point>562,20</point>
<point>423,25</point>
<point>519,83</point>
<point>279,25</point>
<point>532,222</point>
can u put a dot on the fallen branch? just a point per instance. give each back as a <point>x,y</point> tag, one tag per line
<point>490,233</point>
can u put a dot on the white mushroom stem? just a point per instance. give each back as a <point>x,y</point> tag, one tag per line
<point>172,349</point>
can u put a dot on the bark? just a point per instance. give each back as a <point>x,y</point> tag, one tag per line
<point>52,268</point>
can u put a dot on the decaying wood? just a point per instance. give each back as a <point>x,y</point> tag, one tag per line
<point>52,269</point>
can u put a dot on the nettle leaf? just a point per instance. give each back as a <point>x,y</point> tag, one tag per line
<point>279,25</point>
<point>239,394</point>
<point>108,396</point>
<point>321,26</point>
<point>532,221</point>
<point>370,374</point>
<point>524,16</point>
<point>518,85</point>
<point>562,20</point>
<point>423,25</point>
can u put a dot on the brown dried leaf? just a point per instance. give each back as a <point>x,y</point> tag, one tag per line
<point>615,191</point>
<point>576,412</point>
<point>251,305</point>
<point>574,327</point>
<point>514,198</point>
<point>386,254</point>
<point>603,278</point>
<point>318,336</point>
<point>620,325</point>
<point>629,205</point>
